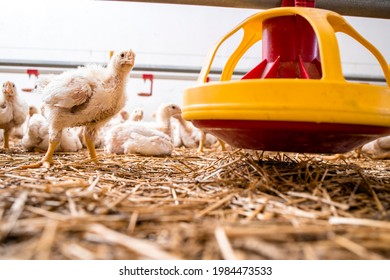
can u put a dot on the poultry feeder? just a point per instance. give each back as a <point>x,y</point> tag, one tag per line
<point>296,99</point>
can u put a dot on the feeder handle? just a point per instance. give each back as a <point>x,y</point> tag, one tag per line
<point>339,24</point>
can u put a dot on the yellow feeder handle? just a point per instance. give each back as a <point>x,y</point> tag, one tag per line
<point>341,25</point>
<point>249,39</point>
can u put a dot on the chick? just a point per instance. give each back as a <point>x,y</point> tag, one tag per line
<point>193,137</point>
<point>70,141</point>
<point>36,137</point>
<point>146,138</point>
<point>137,139</point>
<point>13,111</point>
<point>204,139</point>
<point>378,149</point>
<point>119,118</point>
<point>137,115</point>
<point>163,118</point>
<point>20,130</point>
<point>88,96</point>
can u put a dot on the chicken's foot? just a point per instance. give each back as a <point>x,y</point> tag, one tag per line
<point>91,148</point>
<point>47,160</point>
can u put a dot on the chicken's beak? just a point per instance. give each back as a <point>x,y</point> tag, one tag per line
<point>7,89</point>
<point>127,62</point>
<point>129,59</point>
<point>177,116</point>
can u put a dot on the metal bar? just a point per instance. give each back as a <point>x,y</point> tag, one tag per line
<point>361,8</point>
<point>160,71</point>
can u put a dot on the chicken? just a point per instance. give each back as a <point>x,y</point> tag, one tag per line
<point>70,141</point>
<point>137,139</point>
<point>19,131</point>
<point>203,140</point>
<point>145,138</point>
<point>378,149</point>
<point>36,137</point>
<point>121,117</point>
<point>137,115</point>
<point>88,96</point>
<point>13,111</point>
<point>163,118</point>
<point>191,137</point>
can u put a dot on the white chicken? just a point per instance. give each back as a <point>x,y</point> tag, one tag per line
<point>13,111</point>
<point>378,149</point>
<point>188,135</point>
<point>162,120</point>
<point>121,117</point>
<point>19,131</point>
<point>137,115</point>
<point>163,117</point>
<point>145,138</point>
<point>137,139</point>
<point>36,137</point>
<point>88,96</point>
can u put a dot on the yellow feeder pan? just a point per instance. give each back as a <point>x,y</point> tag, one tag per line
<point>300,106</point>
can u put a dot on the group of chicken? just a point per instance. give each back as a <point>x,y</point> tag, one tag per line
<point>84,107</point>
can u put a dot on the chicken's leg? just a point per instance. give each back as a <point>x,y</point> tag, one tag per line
<point>6,138</point>
<point>48,158</point>
<point>202,139</point>
<point>222,144</point>
<point>89,137</point>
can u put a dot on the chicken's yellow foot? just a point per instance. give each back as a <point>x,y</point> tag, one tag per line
<point>222,144</point>
<point>47,159</point>
<point>91,149</point>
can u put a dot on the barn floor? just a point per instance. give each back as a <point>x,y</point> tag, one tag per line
<point>217,205</point>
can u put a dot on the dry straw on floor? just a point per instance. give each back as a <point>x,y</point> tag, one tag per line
<point>232,205</point>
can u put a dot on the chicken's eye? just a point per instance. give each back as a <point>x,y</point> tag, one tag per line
<point>122,55</point>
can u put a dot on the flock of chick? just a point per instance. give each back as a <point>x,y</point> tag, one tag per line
<point>84,108</point>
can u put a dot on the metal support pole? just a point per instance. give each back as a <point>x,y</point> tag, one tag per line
<point>361,8</point>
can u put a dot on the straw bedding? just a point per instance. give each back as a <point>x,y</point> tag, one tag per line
<point>216,205</point>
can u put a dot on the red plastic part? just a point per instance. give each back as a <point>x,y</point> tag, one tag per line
<point>146,77</point>
<point>286,136</point>
<point>305,3</point>
<point>290,48</point>
<point>34,72</point>
<point>298,3</point>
